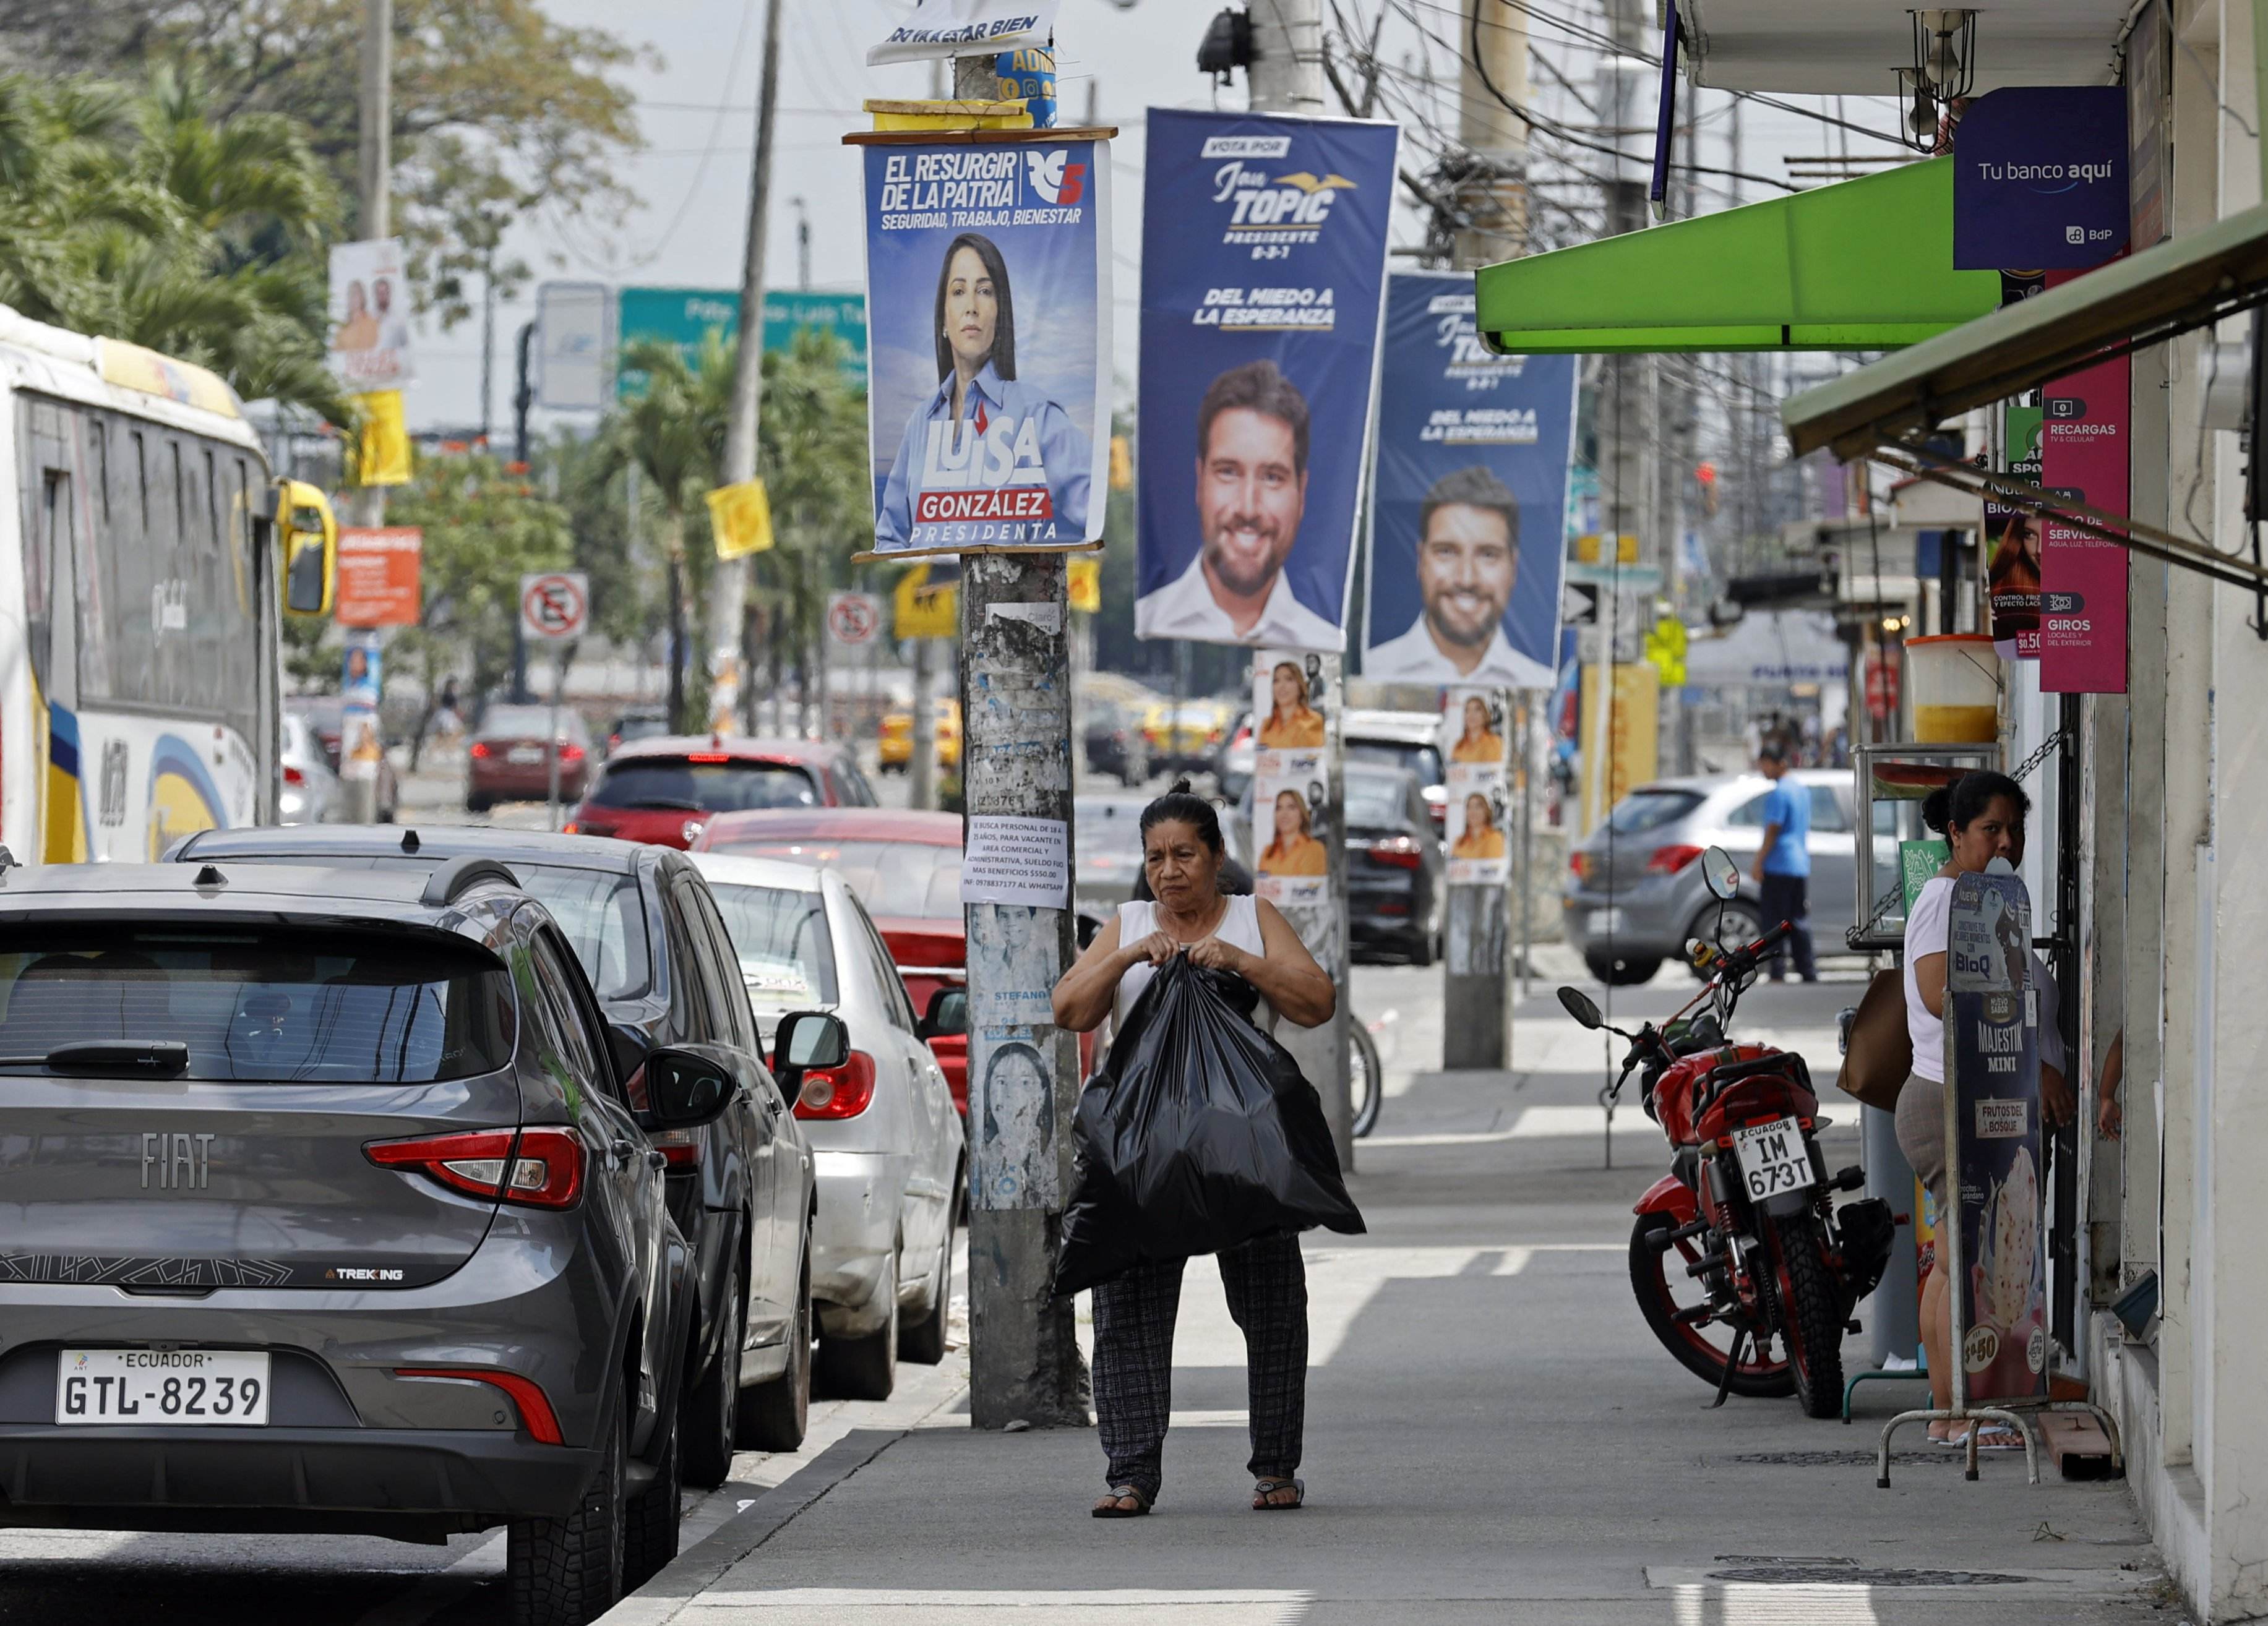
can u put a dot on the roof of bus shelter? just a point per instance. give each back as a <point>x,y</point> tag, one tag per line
<point>2169,288</point>
<point>1862,265</point>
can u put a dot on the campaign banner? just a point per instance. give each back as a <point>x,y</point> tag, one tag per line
<point>1993,1137</point>
<point>1477,777</point>
<point>1264,262</point>
<point>1466,498</point>
<point>2011,544</point>
<point>1291,779</point>
<point>2039,178</point>
<point>988,309</point>
<point>2084,453</point>
<point>370,316</point>
<point>966,28</point>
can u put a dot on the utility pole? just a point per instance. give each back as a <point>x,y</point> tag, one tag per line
<point>366,506</point>
<point>1287,76</point>
<point>1626,422</point>
<point>1024,1361</point>
<point>1493,226</point>
<point>729,586</point>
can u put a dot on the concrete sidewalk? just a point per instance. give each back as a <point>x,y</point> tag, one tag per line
<point>1492,1436</point>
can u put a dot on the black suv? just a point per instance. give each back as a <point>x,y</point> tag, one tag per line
<point>646,930</point>
<point>329,1211</point>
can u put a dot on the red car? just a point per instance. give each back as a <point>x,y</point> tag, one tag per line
<point>506,761</point>
<point>905,867</point>
<point>664,790</point>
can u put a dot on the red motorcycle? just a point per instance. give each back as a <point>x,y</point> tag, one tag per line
<point>1742,1264</point>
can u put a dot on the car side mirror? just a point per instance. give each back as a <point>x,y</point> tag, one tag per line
<point>1580,1005</point>
<point>948,1014</point>
<point>806,1041</point>
<point>685,1089</point>
<point>1720,875</point>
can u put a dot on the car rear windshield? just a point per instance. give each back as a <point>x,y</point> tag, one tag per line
<point>1375,800</point>
<point>263,1007</point>
<point>603,915</point>
<point>909,880</point>
<point>665,782</point>
<point>527,722</point>
<point>1649,810</point>
<point>1425,760</point>
<point>787,957</point>
<point>1113,827</point>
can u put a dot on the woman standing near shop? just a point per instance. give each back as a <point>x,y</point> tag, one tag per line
<point>1981,816</point>
<point>1265,1280</point>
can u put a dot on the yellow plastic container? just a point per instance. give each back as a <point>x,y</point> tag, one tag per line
<point>1954,681</point>
<point>949,115</point>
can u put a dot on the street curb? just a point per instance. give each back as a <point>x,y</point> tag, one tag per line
<point>702,1566</point>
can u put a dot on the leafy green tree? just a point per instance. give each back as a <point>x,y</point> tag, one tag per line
<point>157,218</point>
<point>484,528</point>
<point>496,105</point>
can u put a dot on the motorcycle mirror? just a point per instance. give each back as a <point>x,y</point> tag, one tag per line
<point>1579,1005</point>
<point>1720,875</point>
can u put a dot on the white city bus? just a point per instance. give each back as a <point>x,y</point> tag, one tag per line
<point>141,595</point>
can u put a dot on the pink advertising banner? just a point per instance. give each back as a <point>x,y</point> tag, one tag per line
<point>2084,451</point>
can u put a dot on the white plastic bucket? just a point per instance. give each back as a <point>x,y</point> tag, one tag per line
<point>1954,681</point>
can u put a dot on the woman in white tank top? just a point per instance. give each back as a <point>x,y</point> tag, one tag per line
<point>1265,1280</point>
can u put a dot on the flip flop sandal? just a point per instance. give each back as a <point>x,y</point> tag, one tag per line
<point>1262,1489</point>
<point>1108,1507</point>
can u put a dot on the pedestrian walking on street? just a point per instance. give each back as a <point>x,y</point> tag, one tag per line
<point>1783,866</point>
<point>1265,1279</point>
<point>1981,816</point>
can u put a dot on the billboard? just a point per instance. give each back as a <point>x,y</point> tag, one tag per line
<point>1263,264</point>
<point>1468,498</point>
<point>370,316</point>
<point>988,284</point>
<point>571,351</point>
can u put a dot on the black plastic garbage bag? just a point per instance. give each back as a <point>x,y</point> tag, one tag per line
<point>1197,1133</point>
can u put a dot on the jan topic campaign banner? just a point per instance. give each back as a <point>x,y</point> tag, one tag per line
<point>988,304</point>
<point>1468,497</point>
<point>1263,258</point>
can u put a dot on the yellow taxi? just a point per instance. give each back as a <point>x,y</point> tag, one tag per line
<point>895,750</point>
<point>1189,738</point>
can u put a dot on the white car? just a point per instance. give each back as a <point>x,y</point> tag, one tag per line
<point>887,1147</point>
<point>311,791</point>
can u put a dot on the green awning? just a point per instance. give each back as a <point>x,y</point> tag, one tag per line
<point>1863,265</point>
<point>2186,283</point>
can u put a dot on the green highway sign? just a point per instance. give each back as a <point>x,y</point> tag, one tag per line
<point>683,317</point>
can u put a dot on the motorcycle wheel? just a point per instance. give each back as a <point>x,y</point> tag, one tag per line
<point>1658,1277</point>
<point>1812,1322</point>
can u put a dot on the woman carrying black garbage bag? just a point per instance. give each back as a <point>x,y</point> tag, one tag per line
<point>1265,1280</point>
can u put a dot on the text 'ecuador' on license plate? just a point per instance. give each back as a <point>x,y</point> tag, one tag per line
<point>169,1388</point>
<point>1773,1158</point>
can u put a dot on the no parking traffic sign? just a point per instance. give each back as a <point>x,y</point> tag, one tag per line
<point>555,604</point>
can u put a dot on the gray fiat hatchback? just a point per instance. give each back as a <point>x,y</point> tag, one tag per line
<point>323,1210</point>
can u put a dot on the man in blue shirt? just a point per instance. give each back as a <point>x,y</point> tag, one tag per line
<point>1783,866</point>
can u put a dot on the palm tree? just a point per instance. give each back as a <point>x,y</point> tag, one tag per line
<point>675,433</point>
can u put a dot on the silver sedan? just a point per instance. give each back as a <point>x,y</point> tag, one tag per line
<point>887,1147</point>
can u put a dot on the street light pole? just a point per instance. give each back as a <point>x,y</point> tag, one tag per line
<point>729,586</point>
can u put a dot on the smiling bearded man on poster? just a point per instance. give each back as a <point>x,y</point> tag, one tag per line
<point>1468,563</point>
<point>1251,492</point>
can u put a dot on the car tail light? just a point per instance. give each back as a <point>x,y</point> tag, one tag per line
<point>570,828</point>
<point>1579,865</point>
<point>1399,851</point>
<point>1669,860</point>
<point>293,775</point>
<point>526,1393</point>
<point>480,749</point>
<point>613,740</point>
<point>544,1170</point>
<point>680,1149</point>
<point>707,756</point>
<point>841,1092</point>
<point>1243,737</point>
<point>570,753</point>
